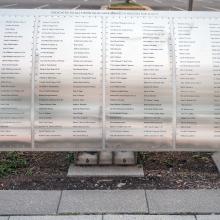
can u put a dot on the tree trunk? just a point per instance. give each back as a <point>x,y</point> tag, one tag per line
<point>128,1</point>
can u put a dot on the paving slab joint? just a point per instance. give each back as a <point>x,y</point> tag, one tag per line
<point>147,203</point>
<point>58,205</point>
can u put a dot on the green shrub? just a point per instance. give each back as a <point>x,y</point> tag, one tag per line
<point>10,163</point>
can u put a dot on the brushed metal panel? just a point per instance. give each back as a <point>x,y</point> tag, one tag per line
<point>107,79</point>
<point>198,82</point>
<point>16,42</point>
<point>138,83</point>
<point>68,79</point>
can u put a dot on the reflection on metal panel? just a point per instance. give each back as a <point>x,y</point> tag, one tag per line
<point>15,78</point>
<point>109,80</point>
<point>198,82</point>
<point>138,83</point>
<point>68,83</point>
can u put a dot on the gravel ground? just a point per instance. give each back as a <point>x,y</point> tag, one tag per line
<point>47,171</point>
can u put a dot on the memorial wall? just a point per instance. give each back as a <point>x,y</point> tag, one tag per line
<point>109,80</point>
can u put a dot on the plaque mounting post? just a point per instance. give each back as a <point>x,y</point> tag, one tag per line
<point>106,158</point>
<point>105,163</point>
<point>190,5</point>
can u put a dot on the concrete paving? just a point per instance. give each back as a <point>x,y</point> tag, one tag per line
<point>29,202</point>
<point>95,202</point>
<point>183,201</point>
<point>115,217</point>
<point>131,171</point>
<point>53,4</point>
<point>175,5</point>
<point>80,217</point>
<point>208,217</point>
<point>103,201</point>
<point>148,217</point>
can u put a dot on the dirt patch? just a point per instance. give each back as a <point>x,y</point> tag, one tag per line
<point>47,171</point>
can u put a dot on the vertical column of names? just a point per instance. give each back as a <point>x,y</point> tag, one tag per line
<point>16,44</point>
<point>157,72</point>
<point>214,27</point>
<point>124,81</point>
<point>69,82</point>
<point>194,83</point>
<point>87,81</point>
<point>53,82</point>
<point>139,82</point>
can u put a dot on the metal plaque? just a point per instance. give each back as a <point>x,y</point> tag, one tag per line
<point>15,81</point>
<point>138,83</point>
<point>68,83</point>
<point>81,80</point>
<point>198,82</point>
